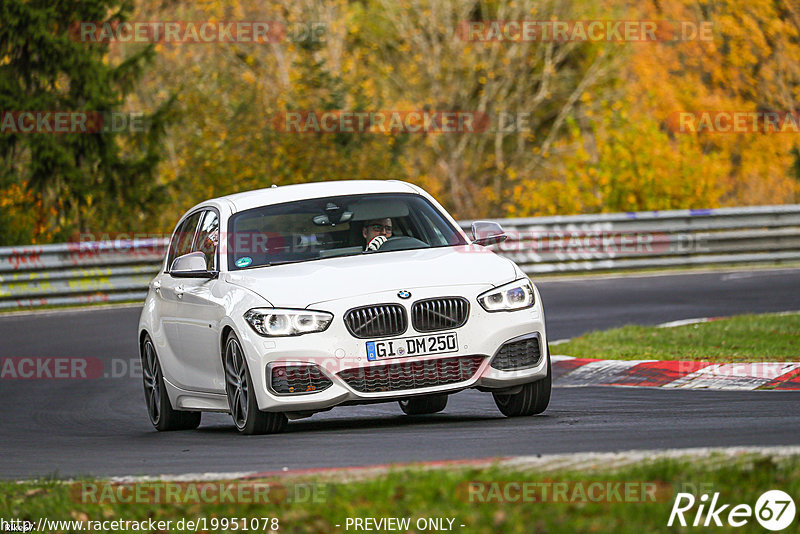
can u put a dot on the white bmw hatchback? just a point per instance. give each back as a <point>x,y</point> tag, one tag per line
<point>279,303</point>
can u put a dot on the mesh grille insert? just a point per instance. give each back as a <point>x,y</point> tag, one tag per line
<point>401,376</point>
<point>520,354</point>
<point>298,379</point>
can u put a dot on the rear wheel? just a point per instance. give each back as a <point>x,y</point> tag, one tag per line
<point>162,415</point>
<point>241,395</point>
<point>423,405</point>
<point>532,400</point>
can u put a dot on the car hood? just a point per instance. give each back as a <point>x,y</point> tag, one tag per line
<point>298,285</point>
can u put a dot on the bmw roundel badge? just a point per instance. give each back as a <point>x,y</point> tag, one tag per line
<point>403,294</point>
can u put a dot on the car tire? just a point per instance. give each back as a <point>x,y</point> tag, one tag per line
<point>241,396</point>
<point>423,405</point>
<point>159,409</point>
<point>532,400</point>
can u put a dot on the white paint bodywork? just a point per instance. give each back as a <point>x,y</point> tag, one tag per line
<point>187,318</point>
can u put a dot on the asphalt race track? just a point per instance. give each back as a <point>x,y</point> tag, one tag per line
<point>100,426</point>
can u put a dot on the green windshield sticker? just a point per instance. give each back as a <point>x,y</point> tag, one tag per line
<point>244,262</point>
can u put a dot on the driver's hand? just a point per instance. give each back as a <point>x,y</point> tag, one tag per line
<point>376,242</point>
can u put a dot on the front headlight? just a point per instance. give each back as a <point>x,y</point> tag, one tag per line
<point>514,296</point>
<point>274,322</point>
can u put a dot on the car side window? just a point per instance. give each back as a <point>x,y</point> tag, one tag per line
<point>208,239</point>
<point>183,238</point>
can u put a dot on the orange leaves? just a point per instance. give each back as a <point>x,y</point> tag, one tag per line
<point>602,145</point>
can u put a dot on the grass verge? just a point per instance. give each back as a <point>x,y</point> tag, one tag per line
<point>744,338</point>
<point>491,500</point>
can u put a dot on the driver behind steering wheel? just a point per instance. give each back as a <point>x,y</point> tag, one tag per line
<point>376,232</point>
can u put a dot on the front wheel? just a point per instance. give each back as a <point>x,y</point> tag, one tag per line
<point>162,415</point>
<point>241,395</point>
<point>423,405</point>
<point>532,400</point>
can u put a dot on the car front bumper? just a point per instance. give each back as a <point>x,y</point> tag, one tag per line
<point>336,353</point>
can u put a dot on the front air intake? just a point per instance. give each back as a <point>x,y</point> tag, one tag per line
<point>519,353</point>
<point>297,379</point>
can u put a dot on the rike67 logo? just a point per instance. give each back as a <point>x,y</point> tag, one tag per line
<point>774,510</point>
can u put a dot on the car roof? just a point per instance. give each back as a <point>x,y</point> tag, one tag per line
<point>289,193</point>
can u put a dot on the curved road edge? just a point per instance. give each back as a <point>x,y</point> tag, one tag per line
<point>576,372</point>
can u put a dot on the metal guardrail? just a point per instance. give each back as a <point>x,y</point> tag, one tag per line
<point>626,241</point>
<point>112,271</point>
<point>77,273</point>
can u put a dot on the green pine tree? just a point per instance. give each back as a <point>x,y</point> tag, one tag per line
<point>73,182</point>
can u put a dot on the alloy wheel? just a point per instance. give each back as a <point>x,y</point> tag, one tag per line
<point>236,382</point>
<point>151,375</point>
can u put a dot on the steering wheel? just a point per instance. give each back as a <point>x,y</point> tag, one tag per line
<point>402,242</point>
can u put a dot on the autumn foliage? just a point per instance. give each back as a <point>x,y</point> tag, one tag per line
<point>576,126</point>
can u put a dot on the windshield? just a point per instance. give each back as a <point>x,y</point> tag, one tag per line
<point>336,226</point>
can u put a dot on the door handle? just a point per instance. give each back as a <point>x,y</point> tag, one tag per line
<point>179,291</point>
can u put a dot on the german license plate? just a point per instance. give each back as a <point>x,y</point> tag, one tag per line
<point>412,346</point>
